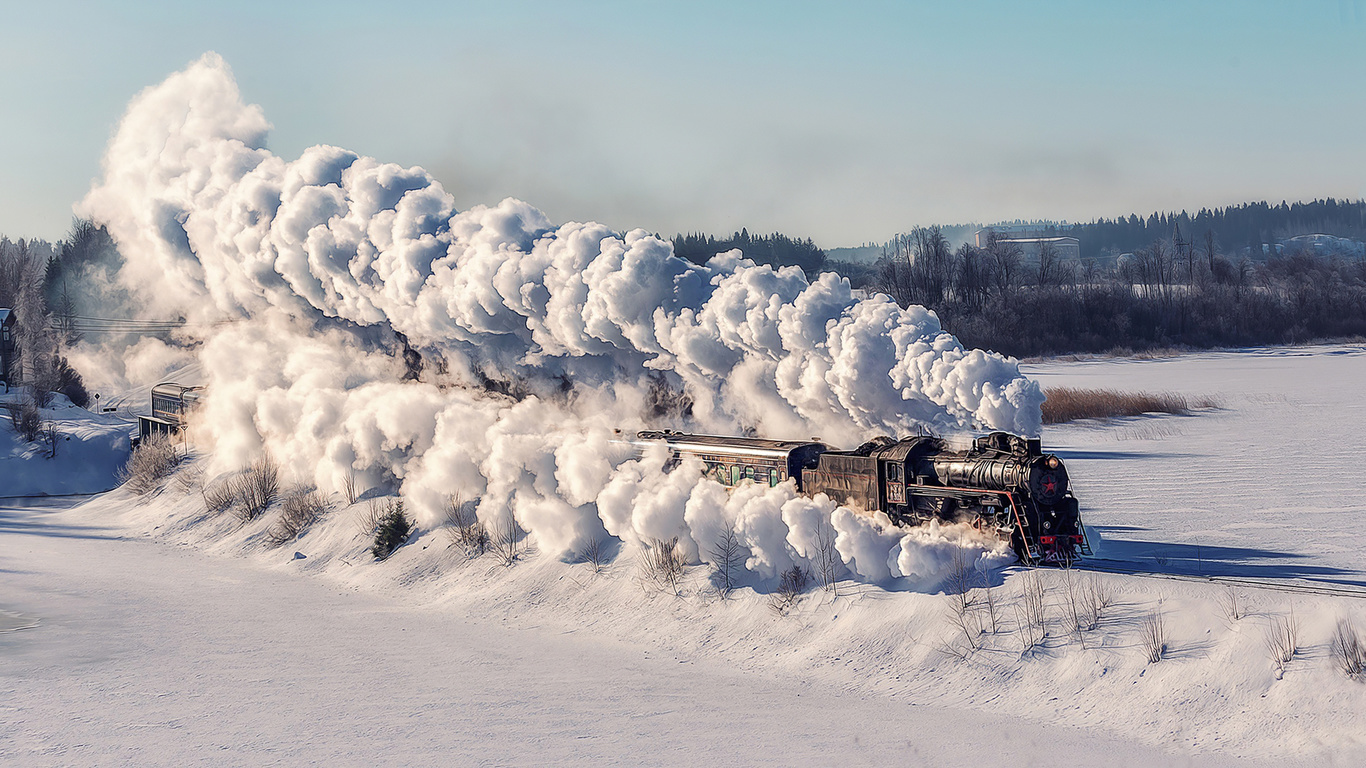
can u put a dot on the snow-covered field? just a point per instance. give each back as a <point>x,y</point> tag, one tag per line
<point>1268,485</point>
<point>168,636</point>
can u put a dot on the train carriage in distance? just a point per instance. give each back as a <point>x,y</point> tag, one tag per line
<point>171,407</point>
<point>1002,483</point>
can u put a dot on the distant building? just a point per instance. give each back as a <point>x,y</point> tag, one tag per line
<point>1031,240</point>
<point>6,344</point>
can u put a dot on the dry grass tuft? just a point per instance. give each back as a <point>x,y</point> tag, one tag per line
<point>1153,637</point>
<point>1066,404</point>
<point>662,564</point>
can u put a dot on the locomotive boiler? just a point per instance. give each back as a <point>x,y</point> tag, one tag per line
<point>1000,483</point>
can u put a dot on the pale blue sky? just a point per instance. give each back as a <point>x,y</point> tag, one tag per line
<point>841,122</point>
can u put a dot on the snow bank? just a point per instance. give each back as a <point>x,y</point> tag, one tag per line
<point>90,450</point>
<point>316,284</point>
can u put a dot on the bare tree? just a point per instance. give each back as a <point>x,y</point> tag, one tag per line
<point>1050,267</point>
<point>962,605</point>
<point>349,486</point>
<point>725,559</point>
<point>507,540</point>
<point>1004,259</point>
<point>972,279</point>
<point>827,558</point>
<point>595,554</point>
<point>1031,612</point>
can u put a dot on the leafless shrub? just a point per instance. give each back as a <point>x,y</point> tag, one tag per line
<point>1031,612</point>
<point>1087,601</point>
<point>190,478</point>
<point>1076,614</point>
<point>1153,637</point>
<point>1282,641</point>
<point>1098,597</point>
<point>49,434</point>
<point>662,564</point>
<point>594,555</point>
<point>350,486</point>
<point>301,508</point>
<point>1231,604</point>
<point>1066,404</point>
<point>1348,650</point>
<point>220,497</point>
<point>463,527</point>
<point>958,584</point>
<point>152,461</point>
<point>962,604</point>
<point>993,608</point>
<point>25,417</point>
<point>507,541</point>
<point>455,516</point>
<point>725,559</point>
<point>827,558</point>
<point>256,489</point>
<point>790,588</point>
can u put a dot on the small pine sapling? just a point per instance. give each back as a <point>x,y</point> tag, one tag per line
<point>393,530</point>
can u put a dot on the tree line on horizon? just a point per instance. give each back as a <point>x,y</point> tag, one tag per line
<point>1238,229</point>
<point>776,250</point>
<point>1171,293</point>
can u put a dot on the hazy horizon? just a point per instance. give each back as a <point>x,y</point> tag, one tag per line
<point>842,125</point>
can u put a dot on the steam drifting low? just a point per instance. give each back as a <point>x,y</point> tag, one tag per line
<point>358,323</point>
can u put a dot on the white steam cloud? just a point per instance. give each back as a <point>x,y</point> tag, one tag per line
<point>310,278</point>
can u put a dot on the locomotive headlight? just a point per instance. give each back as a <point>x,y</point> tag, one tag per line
<point>1052,462</point>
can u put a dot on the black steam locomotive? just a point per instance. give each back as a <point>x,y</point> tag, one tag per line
<point>1002,483</point>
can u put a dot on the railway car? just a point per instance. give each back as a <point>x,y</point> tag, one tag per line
<point>1000,483</point>
<point>171,407</point>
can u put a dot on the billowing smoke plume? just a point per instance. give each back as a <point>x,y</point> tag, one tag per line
<point>355,323</point>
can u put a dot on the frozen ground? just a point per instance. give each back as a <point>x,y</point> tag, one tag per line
<point>1269,485</point>
<point>166,636</point>
<point>154,654</point>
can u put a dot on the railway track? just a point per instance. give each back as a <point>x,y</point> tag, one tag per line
<point>1300,586</point>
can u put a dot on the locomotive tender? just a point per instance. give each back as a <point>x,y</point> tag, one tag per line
<point>1002,483</point>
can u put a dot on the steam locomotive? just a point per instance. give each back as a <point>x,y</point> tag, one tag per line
<point>1002,483</point>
